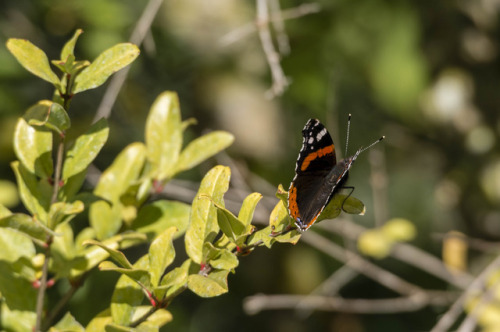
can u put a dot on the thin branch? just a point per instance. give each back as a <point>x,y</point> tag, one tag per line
<point>279,27</point>
<point>286,14</point>
<point>406,253</point>
<point>329,287</point>
<point>280,82</point>
<point>360,264</point>
<point>255,304</point>
<point>449,318</point>
<point>43,286</point>
<point>140,31</point>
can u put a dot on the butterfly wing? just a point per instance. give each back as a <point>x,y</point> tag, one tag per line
<point>316,161</point>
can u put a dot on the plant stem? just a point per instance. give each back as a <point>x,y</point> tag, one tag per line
<point>62,302</point>
<point>57,172</point>
<point>43,286</point>
<point>144,317</point>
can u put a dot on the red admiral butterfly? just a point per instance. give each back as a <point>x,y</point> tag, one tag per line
<point>318,176</point>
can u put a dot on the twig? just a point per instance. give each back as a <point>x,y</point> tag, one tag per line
<point>455,310</point>
<point>286,14</point>
<point>43,286</point>
<point>328,287</point>
<point>280,81</point>
<point>255,304</point>
<point>406,253</point>
<point>361,265</point>
<point>137,37</point>
<point>279,27</point>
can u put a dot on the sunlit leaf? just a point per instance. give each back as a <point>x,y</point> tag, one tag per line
<point>153,218</point>
<point>203,148</point>
<point>214,284</point>
<point>117,256</point>
<point>135,274</point>
<point>203,221</point>
<point>9,196</point>
<point>280,220</point>
<point>248,208</point>
<point>99,322</point>
<point>34,194</point>
<point>32,59</point>
<point>106,64</point>
<point>85,149</point>
<point>17,320</point>
<point>174,281</point>
<point>69,47</point>
<point>161,254</point>
<point>164,135</point>
<point>49,114</point>
<point>61,212</point>
<point>127,296</point>
<point>67,324</point>
<point>24,224</point>
<point>33,147</point>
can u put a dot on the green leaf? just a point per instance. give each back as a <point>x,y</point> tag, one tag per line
<point>24,224</point>
<point>33,59</point>
<point>279,220</point>
<point>138,275</point>
<point>34,195</point>
<point>203,148</point>
<point>114,182</point>
<point>152,219</point>
<point>214,284</point>
<point>174,281</point>
<point>49,114</point>
<point>231,226</point>
<point>99,322</point>
<point>16,320</point>
<point>127,296</point>
<point>349,204</point>
<point>16,252</point>
<point>105,219</point>
<point>67,324</point>
<point>263,235</point>
<point>63,251</point>
<point>92,256</point>
<point>164,135</point>
<point>33,147</point>
<point>69,47</point>
<point>118,256</point>
<point>122,173</point>
<point>248,208</point>
<point>225,260</point>
<point>106,64</point>
<point>85,149</point>
<point>161,254</point>
<point>4,212</point>
<point>203,221</point>
<point>63,212</point>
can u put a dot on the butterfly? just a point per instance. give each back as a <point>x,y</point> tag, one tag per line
<point>318,176</point>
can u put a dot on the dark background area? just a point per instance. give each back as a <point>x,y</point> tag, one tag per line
<point>425,74</point>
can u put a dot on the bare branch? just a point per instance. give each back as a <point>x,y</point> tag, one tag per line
<point>280,82</point>
<point>449,318</point>
<point>255,304</point>
<point>137,37</point>
<point>360,264</point>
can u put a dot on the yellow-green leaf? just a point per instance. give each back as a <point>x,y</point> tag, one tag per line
<point>106,64</point>
<point>214,284</point>
<point>203,225</point>
<point>49,114</point>
<point>69,47</point>
<point>203,148</point>
<point>33,59</point>
<point>85,149</point>
<point>33,147</point>
<point>164,135</point>
<point>161,254</point>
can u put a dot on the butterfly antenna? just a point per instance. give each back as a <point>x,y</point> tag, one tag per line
<point>348,129</point>
<point>369,146</point>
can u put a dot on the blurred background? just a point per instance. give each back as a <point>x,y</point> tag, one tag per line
<point>423,73</point>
